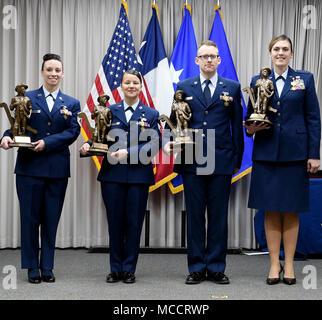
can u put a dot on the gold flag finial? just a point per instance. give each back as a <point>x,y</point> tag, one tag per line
<point>218,8</point>
<point>155,6</point>
<point>186,5</point>
<point>124,3</point>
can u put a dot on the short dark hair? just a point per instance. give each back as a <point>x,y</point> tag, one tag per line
<point>50,56</point>
<point>133,72</point>
<point>279,38</point>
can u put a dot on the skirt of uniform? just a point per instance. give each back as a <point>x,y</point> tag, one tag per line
<point>279,186</point>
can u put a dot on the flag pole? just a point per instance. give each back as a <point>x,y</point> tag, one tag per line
<point>218,8</point>
<point>124,3</point>
<point>186,5</point>
<point>155,6</point>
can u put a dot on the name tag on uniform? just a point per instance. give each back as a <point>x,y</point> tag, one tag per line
<point>188,98</point>
<point>36,111</point>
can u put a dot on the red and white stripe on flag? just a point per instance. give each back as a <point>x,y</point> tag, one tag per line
<point>120,57</point>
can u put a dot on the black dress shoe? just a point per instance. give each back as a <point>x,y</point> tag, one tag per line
<point>195,277</point>
<point>218,277</point>
<point>47,275</point>
<point>33,275</point>
<point>50,278</point>
<point>114,277</point>
<point>289,281</point>
<point>272,281</point>
<point>34,279</point>
<point>128,277</point>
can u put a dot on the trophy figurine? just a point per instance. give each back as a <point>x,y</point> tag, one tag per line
<point>103,122</point>
<point>22,112</point>
<point>259,97</point>
<point>179,119</point>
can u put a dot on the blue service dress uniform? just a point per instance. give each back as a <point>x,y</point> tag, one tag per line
<point>125,184</point>
<point>210,190</point>
<point>42,177</point>
<point>280,181</point>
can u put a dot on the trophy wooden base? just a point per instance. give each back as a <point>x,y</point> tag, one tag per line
<point>258,118</point>
<point>21,142</point>
<point>97,149</point>
<point>182,141</point>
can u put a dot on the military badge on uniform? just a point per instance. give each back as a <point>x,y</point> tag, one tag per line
<point>143,123</point>
<point>297,84</point>
<point>225,96</point>
<point>65,112</point>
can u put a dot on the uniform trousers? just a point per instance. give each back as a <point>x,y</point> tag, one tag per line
<point>125,208</point>
<point>41,202</point>
<point>207,247</point>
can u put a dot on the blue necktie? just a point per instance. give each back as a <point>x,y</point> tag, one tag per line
<point>206,92</point>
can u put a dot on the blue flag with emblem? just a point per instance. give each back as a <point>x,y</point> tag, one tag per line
<point>183,66</point>
<point>227,70</point>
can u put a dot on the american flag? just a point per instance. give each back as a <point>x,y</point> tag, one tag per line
<point>120,56</point>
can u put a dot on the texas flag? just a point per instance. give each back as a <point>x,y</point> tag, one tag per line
<point>154,67</point>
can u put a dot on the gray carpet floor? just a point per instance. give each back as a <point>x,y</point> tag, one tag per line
<point>81,275</point>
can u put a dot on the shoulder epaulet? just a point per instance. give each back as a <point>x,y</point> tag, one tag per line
<point>115,105</point>
<point>302,71</point>
<point>66,96</point>
<point>231,81</point>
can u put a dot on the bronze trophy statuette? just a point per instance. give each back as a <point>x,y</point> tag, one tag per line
<point>260,97</point>
<point>22,112</point>
<point>179,119</point>
<point>103,122</point>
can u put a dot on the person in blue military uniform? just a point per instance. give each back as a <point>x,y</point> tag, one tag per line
<point>126,174</point>
<point>284,156</point>
<point>42,173</point>
<point>215,103</point>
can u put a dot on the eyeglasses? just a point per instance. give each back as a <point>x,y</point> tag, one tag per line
<point>206,57</point>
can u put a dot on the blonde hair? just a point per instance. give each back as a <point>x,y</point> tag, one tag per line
<point>208,43</point>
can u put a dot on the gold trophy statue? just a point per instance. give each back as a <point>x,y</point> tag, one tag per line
<point>103,122</point>
<point>22,112</point>
<point>259,97</point>
<point>179,119</point>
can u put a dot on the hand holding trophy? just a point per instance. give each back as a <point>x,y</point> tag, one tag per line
<point>103,122</point>
<point>260,97</point>
<point>22,112</point>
